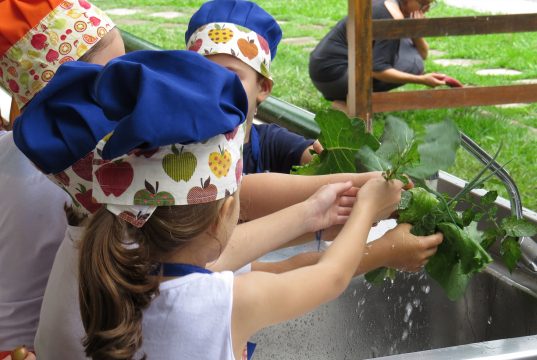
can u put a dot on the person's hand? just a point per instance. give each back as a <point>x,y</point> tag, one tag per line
<point>432,79</point>
<point>20,353</point>
<point>330,205</point>
<point>418,14</point>
<point>408,252</point>
<point>317,147</point>
<point>380,197</point>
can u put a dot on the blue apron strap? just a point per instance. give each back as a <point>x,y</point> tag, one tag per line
<point>256,150</point>
<point>250,347</point>
<point>176,269</point>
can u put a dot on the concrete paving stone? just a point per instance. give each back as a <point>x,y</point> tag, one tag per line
<point>496,6</point>
<point>525,81</point>
<point>122,12</point>
<point>457,62</point>
<point>300,40</point>
<point>512,106</point>
<point>168,14</point>
<point>132,22</point>
<point>437,53</point>
<point>498,72</point>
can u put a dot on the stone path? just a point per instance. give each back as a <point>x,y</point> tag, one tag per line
<point>496,6</point>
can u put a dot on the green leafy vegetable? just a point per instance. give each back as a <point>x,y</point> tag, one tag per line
<point>403,152</point>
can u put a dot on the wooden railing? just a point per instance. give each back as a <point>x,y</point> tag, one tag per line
<point>362,30</point>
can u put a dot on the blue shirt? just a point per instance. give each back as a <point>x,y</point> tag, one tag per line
<point>279,150</point>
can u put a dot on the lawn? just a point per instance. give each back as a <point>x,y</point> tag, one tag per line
<point>516,127</point>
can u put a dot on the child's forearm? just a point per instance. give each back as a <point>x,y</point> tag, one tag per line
<point>346,252</point>
<point>254,239</point>
<point>263,194</point>
<point>295,262</point>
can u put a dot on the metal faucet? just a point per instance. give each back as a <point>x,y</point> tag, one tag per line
<point>528,246</point>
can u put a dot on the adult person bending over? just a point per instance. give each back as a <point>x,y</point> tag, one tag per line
<point>396,62</point>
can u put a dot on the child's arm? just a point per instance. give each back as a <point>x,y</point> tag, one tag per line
<point>254,239</point>
<point>262,299</point>
<point>264,194</point>
<point>397,249</point>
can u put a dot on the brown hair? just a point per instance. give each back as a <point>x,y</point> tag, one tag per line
<point>115,263</point>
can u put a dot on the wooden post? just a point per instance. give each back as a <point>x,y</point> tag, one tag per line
<point>360,40</point>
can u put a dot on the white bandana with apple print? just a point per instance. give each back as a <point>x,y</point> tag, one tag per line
<point>238,41</point>
<point>133,185</point>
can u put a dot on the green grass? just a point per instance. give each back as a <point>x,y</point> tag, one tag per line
<point>488,126</point>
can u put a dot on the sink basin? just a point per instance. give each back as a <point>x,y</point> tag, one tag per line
<point>413,316</point>
<point>410,315</point>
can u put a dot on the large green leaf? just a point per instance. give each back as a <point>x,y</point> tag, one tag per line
<point>518,227</point>
<point>341,138</point>
<point>437,150</point>
<point>396,141</point>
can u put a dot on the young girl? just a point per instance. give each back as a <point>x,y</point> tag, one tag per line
<point>171,191</point>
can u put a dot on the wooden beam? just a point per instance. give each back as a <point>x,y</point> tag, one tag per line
<point>452,26</point>
<point>359,38</point>
<point>452,98</point>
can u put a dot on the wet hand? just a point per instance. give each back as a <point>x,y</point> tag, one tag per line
<point>408,252</point>
<point>380,197</point>
<point>330,205</point>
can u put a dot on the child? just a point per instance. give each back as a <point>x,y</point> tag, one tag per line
<point>34,40</point>
<point>242,37</point>
<point>160,228</point>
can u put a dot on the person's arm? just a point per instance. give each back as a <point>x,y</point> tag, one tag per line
<point>254,239</point>
<point>420,43</point>
<point>397,249</point>
<point>264,194</point>
<point>395,76</point>
<point>262,299</point>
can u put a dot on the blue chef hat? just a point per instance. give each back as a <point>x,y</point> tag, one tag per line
<point>239,12</point>
<point>148,98</point>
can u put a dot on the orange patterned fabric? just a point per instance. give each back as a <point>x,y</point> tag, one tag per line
<point>19,16</point>
<point>63,33</point>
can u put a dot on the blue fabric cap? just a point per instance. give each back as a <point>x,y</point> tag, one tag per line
<point>167,97</point>
<point>62,123</point>
<point>238,12</point>
<point>148,98</point>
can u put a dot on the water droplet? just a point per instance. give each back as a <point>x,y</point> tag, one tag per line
<point>405,335</point>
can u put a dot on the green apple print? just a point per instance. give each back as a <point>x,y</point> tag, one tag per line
<point>16,53</point>
<point>59,24</point>
<point>179,165</point>
<point>151,196</point>
<point>24,79</point>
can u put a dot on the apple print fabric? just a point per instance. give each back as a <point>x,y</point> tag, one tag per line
<point>240,42</point>
<point>133,185</point>
<point>65,34</point>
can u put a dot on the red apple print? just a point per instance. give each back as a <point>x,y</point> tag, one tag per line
<point>62,178</point>
<point>95,21</point>
<point>13,86</point>
<point>84,4</point>
<point>146,153</point>
<point>264,44</point>
<point>86,199</point>
<point>68,31</point>
<point>238,170</point>
<point>39,41</point>
<point>83,167</point>
<point>206,193</point>
<point>136,220</point>
<point>231,135</point>
<point>115,177</point>
<point>63,37</point>
<point>52,56</point>
<point>196,45</point>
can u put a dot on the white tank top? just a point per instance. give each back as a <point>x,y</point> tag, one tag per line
<point>60,331</point>
<point>32,225</point>
<point>191,319</point>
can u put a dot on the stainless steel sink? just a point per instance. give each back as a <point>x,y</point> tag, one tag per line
<point>412,317</point>
<point>412,314</point>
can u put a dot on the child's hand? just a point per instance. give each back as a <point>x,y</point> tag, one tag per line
<point>330,205</point>
<point>380,197</point>
<point>409,252</point>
